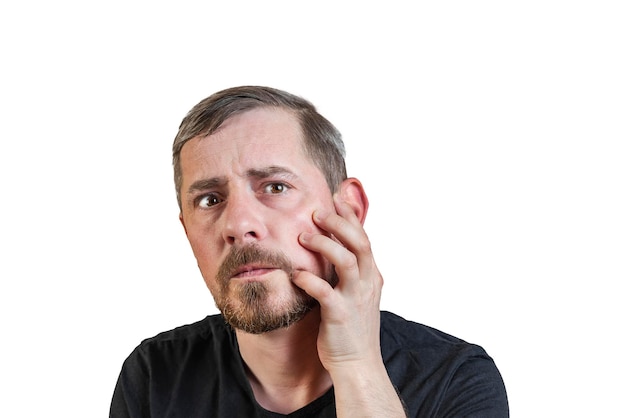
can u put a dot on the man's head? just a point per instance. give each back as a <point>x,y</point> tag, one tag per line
<point>322,140</point>
<point>252,165</point>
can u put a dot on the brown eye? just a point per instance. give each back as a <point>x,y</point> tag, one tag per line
<point>208,200</point>
<point>276,188</point>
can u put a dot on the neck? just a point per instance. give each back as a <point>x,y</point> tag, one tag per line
<point>283,366</point>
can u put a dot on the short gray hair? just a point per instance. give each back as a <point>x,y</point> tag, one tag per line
<point>322,141</point>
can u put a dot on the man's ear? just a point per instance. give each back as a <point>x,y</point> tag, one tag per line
<point>182,221</point>
<point>352,192</point>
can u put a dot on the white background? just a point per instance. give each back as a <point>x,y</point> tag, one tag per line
<point>489,136</point>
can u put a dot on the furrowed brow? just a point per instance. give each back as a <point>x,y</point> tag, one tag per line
<point>204,184</point>
<point>266,172</point>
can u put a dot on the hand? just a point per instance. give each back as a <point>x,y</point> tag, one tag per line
<point>349,334</point>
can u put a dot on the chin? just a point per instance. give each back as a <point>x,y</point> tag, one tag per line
<point>252,309</point>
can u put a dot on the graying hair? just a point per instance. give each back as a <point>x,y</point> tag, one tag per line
<point>322,141</point>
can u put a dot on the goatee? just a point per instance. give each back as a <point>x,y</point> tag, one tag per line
<point>248,306</point>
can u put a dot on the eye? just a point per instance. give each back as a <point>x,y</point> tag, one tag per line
<point>276,188</point>
<point>208,200</point>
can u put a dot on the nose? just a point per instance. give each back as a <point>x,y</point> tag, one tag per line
<point>243,219</point>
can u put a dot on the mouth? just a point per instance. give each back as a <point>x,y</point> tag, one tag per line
<point>252,263</point>
<point>252,271</point>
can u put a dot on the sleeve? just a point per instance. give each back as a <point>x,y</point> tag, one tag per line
<point>476,390</point>
<point>131,393</point>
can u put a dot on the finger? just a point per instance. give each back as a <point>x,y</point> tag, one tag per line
<point>315,287</point>
<point>348,230</point>
<point>345,210</point>
<point>345,262</point>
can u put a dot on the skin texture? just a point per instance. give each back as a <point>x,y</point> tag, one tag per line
<point>250,185</point>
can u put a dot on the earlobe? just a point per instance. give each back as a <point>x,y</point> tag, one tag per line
<point>352,192</point>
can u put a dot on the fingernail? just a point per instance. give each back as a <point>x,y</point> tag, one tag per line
<point>319,215</point>
<point>305,236</point>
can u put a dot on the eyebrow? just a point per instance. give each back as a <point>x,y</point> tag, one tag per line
<point>259,173</point>
<point>266,172</point>
<point>205,184</point>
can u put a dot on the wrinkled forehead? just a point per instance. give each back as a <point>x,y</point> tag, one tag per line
<point>258,137</point>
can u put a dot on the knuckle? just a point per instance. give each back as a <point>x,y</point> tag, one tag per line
<point>350,262</point>
<point>324,295</point>
<point>363,246</point>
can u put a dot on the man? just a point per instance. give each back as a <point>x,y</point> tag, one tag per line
<point>276,227</point>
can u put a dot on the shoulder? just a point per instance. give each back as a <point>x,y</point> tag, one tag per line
<point>208,334</point>
<point>435,371</point>
<point>400,333</point>
<point>400,329</point>
<point>200,347</point>
<point>211,326</point>
<point>405,343</point>
<point>185,368</point>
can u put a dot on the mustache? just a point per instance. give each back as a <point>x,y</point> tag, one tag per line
<point>240,256</point>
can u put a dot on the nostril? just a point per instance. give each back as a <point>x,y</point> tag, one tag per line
<point>250,235</point>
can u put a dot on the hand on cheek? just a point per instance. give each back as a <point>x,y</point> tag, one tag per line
<point>350,311</point>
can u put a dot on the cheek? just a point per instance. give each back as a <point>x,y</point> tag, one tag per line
<point>198,245</point>
<point>202,251</point>
<point>303,222</point>
<point>304,217</point>
<point>303,257</point>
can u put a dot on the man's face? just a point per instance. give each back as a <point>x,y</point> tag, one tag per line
<point>247,192</point>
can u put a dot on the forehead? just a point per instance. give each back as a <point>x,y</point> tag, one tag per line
<point>261,124</point>
<point>256,138</point>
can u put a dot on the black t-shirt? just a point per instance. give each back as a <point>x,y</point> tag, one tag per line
<point>197,371</point>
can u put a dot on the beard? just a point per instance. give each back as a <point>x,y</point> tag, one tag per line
<point>250,306</point>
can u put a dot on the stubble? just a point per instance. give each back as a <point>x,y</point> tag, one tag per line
<point>250,306</point>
